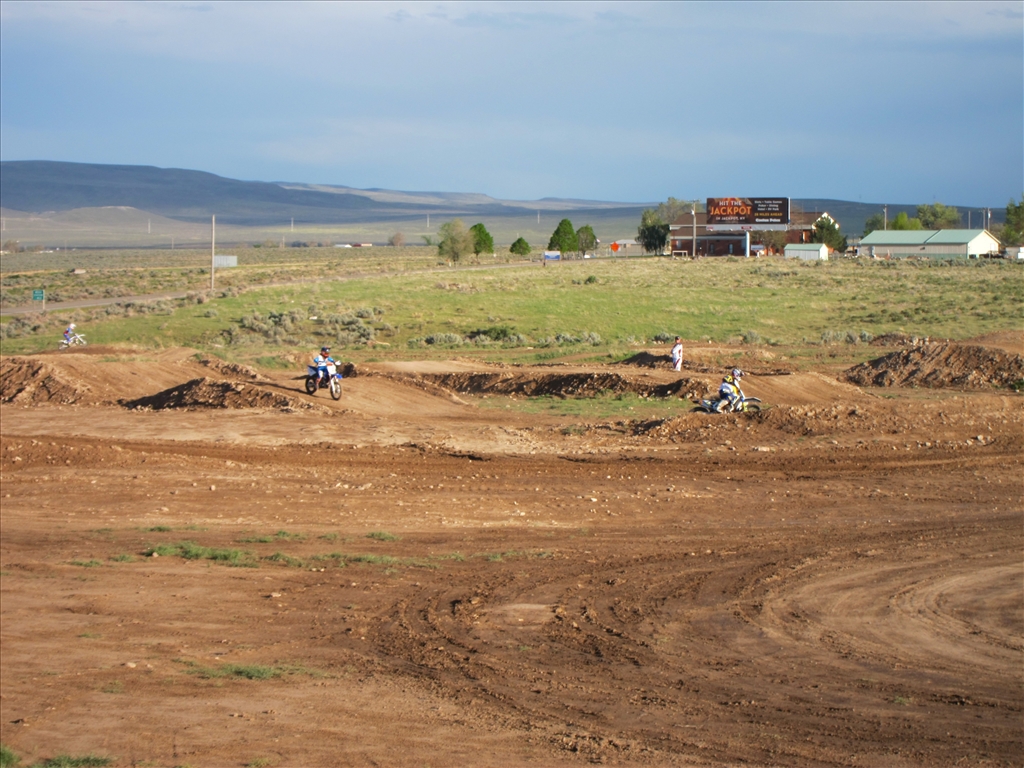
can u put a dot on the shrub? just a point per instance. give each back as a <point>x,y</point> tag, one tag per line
<point>444,339</point>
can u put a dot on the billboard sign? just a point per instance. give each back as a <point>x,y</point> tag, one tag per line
<point>747,213</point>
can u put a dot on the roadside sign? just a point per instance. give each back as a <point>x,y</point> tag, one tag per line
<point>38,294</point>
<point>615,246</point>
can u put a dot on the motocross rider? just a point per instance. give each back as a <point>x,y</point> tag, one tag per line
<point>320,362</point>
<point>69,332</point>
<point>729,393</point>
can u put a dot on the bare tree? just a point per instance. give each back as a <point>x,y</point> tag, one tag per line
<point>397,240</point>
<point>456,240</point>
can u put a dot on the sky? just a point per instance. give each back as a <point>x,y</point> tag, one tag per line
<point>627,101</point>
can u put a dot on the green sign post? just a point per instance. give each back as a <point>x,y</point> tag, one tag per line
<point>38,294</point>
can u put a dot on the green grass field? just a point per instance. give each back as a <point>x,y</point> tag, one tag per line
<point>399,303</point>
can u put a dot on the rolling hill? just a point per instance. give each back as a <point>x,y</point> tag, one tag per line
<point>46,201</point>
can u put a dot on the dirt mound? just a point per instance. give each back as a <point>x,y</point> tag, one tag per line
<point>211,393</point>
<point>231,369</point>
<point>564,384</point>
<point>940,365</point>
<point>25,380</point>
<point>647,360</point>
<point>895,339</point>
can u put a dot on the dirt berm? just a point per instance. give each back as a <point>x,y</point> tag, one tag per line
<point>211,393</point>
<point>940,364</point>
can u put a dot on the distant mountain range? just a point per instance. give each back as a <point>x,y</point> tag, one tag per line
<point>39,186</point>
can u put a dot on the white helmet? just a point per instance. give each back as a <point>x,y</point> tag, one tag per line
<point>737,373</point>
<point>72,326</point>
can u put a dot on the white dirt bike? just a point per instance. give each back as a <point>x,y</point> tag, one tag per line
<point>75,340</point>
<point>330,380</point>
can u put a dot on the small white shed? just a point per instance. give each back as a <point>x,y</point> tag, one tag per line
<point>807,251</point>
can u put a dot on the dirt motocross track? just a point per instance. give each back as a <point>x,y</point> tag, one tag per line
<point>204,566</point>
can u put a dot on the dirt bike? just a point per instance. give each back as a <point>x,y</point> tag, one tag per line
<point>742,404</point>
<point>75,340</point>
<point>330,380</point>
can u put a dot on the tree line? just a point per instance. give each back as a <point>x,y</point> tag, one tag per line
<point>454,240</point>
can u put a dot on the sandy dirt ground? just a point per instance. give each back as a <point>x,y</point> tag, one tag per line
<point>204,566</point>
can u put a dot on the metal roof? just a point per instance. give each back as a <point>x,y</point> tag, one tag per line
<point>922,237</point>
<point>954,236</point>
<point>898,237</point>
<point>804,246</point>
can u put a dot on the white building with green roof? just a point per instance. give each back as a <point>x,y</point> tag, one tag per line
<point>939,244</point>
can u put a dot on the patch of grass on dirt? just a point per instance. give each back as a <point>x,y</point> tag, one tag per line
<point>269,539</point>
<point>192,551</point>
<point>388,561</point>
<point>245,671</point>
<point>122,558</point>
<point>8,759</point>
<point>86,563</point>
<point>456,556</point>
<point>496,557</point>
<point>281,557</point>
<point>115,686</point>
<point>382,536</point>
<point>328,536</point>
<point>159,529</point>
<point>69,761</point>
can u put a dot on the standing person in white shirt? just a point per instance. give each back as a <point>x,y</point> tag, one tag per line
<point>677,355</point>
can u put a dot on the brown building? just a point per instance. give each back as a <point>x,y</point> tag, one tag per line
<point>732,243</point>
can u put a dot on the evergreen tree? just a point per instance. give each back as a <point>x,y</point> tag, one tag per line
<point>1013,230</point>
<point>482,240</point>
<point>586,240</point>
<point>564,238</point>
<point>827,231</point>
<point>520,247</point>
<point>652,234</point>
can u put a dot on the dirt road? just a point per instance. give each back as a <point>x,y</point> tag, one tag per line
<point>204,566</point>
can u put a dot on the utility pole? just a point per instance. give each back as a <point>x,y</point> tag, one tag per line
<point>693,210</point>
<point>213,247</point>
<point>885,225</point>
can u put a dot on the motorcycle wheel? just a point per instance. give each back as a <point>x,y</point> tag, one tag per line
<point>311,385</point>
<point>751,408</point>
<point>61,346</point>
<point>335,388</point>
<point>700,409</point>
